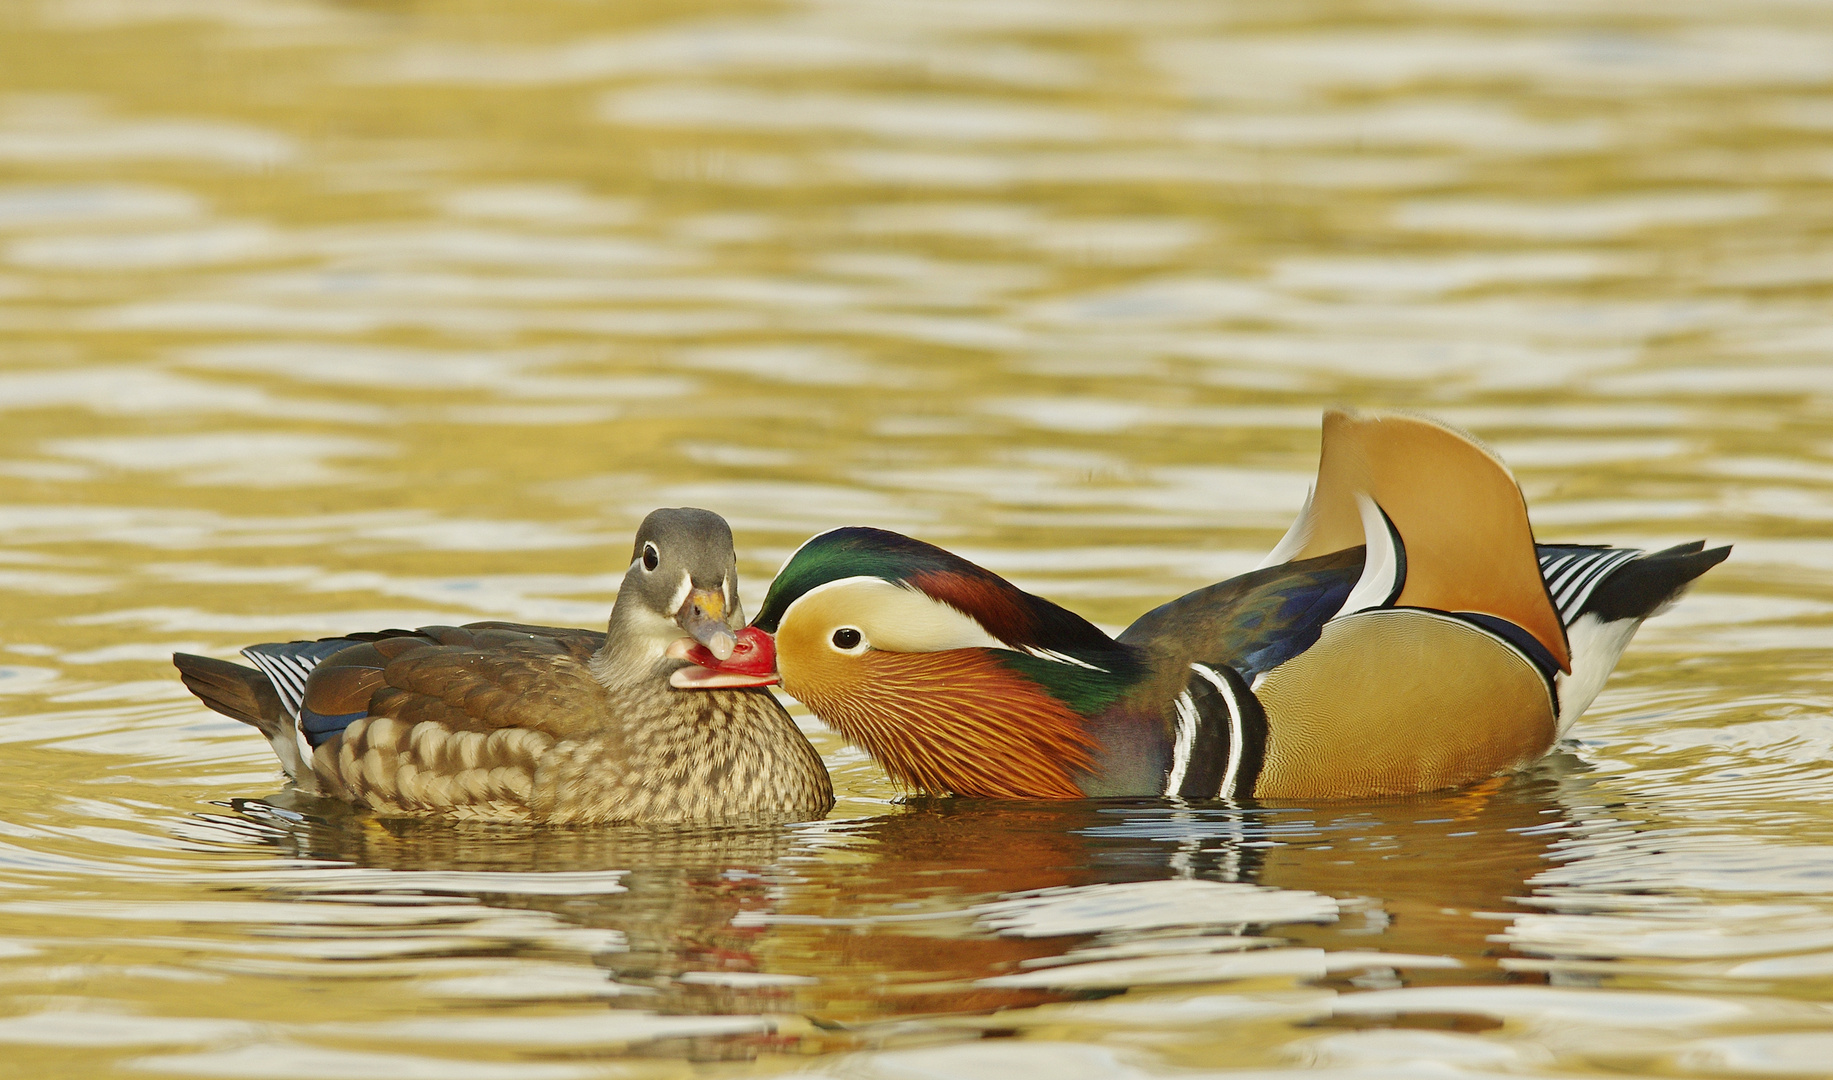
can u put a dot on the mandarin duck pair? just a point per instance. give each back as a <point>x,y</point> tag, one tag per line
<point>1406,635</point>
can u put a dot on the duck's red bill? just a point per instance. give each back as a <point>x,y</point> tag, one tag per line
<point>752,663</point>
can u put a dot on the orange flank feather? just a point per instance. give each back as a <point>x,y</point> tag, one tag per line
<point>957,721</point>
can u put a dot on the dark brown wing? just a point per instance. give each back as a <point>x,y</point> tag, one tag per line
<point>580,644</point>
<point>480,677</point>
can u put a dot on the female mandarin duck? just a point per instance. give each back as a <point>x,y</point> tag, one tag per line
<point>506,722</point>
<point>1405,636</point>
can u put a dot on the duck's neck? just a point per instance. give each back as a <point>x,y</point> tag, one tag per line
<point>981,722</point>
<point>636,646</point>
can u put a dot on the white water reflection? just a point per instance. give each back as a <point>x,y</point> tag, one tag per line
<point>1803,1054</point>
<point>1576,220</point>
<point>739,47</point>
<point>1543,1005</point>
<point>38,131</point>
<point>118,390</point>
<point>1187,165</point>
<point>290,1060</point>
<point>1150,905</point>
<point>1255,66</point>
<point>556,205</point>
<point>286,15</point>
<point>225,243</point>
<point>900,117</point>
<point>243,458</point>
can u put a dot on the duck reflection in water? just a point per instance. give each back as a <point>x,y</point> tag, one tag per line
<point>853,922</point>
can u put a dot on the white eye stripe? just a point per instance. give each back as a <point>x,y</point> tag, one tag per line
<point>900,619</point>
<point>680,597</point>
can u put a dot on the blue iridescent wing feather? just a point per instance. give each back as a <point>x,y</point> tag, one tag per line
<point>1255,622</point>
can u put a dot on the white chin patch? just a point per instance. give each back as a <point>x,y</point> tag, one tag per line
<point>695,677</point>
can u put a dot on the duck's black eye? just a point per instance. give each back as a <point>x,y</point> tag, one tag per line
<point>651,557</point>
<point>846,638</point>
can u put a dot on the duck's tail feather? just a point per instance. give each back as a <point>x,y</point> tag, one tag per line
<point>233,690</point>
<point>1608,593</point>
<point>1644,587</point>
<point>246,695</point>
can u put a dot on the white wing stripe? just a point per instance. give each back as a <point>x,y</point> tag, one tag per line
<point>1572,582</point>
<point>288,665</point>
<point>289,684</point>
<point>1557,570</point>
<point>1180,748</point>
<point>1235,734</point>
<point>1572,578</point>
<point>1579,591</point>
<point>1550,564</point>
<point>1381,566</point>
<point>1297,536</point>
<point>1578,569</point>
<point>1061,658</point>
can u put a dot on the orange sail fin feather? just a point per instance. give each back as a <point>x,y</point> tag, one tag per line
<point>1456,507</point>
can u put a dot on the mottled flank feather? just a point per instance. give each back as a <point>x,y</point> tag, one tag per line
<point>962,722</point>
<point>678,757</point>
<point>416,769</point>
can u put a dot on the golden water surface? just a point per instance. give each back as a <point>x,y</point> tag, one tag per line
<point>327,315</point>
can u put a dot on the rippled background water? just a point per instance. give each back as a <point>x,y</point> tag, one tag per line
<point>319,315</point>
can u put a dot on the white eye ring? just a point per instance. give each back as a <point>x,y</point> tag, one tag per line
<point>849,640</point>
<point>651,557</point>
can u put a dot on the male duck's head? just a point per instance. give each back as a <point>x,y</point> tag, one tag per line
<point>952,677</point>
<point>681,591</point>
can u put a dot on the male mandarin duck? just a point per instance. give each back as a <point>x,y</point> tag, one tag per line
<point>1406,635</point>
<point>506,722</point>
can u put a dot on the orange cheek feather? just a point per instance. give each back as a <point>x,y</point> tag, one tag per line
<point>955,721</point>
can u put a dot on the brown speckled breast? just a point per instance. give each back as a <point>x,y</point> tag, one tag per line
<point>672,755</point>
